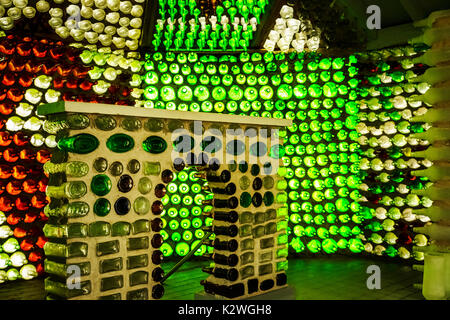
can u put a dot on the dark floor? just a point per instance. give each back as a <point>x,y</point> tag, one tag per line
<point>338,278</point>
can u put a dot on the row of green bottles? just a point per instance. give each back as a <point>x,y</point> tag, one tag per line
<point>96,229</point>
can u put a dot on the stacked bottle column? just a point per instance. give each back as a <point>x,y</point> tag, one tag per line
<point>107,179</point>
<point>250,216</point>
<point>183,220</point>
<point>388,104</point>
<point>436,279</point>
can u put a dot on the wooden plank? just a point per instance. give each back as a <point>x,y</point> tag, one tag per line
<point>100,108</point>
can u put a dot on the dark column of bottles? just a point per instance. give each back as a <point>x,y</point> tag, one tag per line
<point>245,250</point>
<point>389,87</point>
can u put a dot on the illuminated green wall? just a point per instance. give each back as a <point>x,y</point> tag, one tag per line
<point>320,155</point>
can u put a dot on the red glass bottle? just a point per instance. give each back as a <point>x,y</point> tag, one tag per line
<point>72,54</point>
<point>49,67</point>
<point>5,139</point>
<point>42,216</point>
<point>22,204</point>
<point>64,70</point>
<point>86,85</point>
<point>14,187</point>
<point>57,52</point>
<point>5,171</point>
<point>3,64</point>
<point>27,245</point>
<point>15,94</point>
<point>24,49</point>
<point>14,218</point>
<point>33,66</point>
<point>41,241</point>
<point>58,83</point>
<point>8,79</point>
<point>80,71</point>
<point>3,93</point>
<point>11,155</point>
<point>40,269</point>
<point>30,186</point>
<point>72,83</point>
<point>27,154</point>
<point>35,256</point>
<point>42,185</point>
<point>16,64</point>
<point>39,201</point>
<point>21,139</point>
<point>40,50</point>
<point>7,46</point>
<point>42,156</point>
<point>30,217</point>
<point>6,203</point>
<point>19,172</point>
<point>26,80</point>
<point>7,107</point>
<point>20,233</point>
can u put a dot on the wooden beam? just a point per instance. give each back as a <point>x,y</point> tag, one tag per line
<point>100,108</point>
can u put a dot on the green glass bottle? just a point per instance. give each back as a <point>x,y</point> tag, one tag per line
<point>329,246</point>
<point>73,209</point>
<point>154,125</point>
<point>99,229</point>
<point>71,190</point>
<point>144,185</point>
<point>71,169</point>
<point>154,144</point>
<point>151,168</point>
<point>105,122</point>
<point>82,143</point>
<point>102,207</point>
<point>141,205</point>
<point>131,124</point>
<point>101,184</point>
<point>120,143</point>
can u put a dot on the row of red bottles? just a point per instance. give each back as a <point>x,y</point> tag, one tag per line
<point>21,203</point>
<point>19,172</point>
<point>20,139</point>
<point>14,154</point>
<point>43,48</point>
<point>31,186</point>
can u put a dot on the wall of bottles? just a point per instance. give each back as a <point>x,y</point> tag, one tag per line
<point>389,158</point>
<point>320,151</point>
<point>320,94</point>
<point>35,71</point>
<point>106,183</point>
<point>111,24</point>
<point>249,211</point>
<point>207,25</point>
